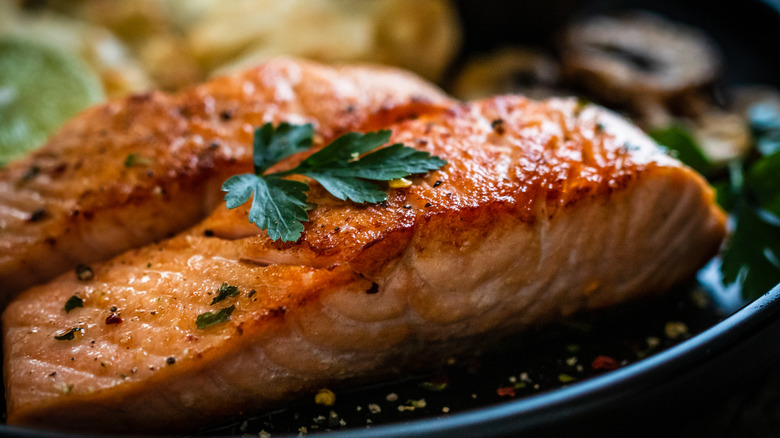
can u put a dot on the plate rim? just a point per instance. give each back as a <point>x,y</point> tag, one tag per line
<point>574,404</point>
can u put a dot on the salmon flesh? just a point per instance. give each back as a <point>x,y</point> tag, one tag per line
<point>545,208</point>
<point>137,170</point>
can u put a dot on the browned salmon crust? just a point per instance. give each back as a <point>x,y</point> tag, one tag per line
<point>137,170</point>
<point>545,208</point>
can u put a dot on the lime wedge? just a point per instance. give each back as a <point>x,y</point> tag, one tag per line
<point>40,88</point>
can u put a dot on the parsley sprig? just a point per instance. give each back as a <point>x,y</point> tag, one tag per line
<point>348,168</point>
<point>751,193</point>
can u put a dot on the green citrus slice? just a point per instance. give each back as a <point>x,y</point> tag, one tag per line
<point>40,88</point>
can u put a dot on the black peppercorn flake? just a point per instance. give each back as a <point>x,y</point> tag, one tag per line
<point>31,173</point>
<point>37,215</point>
<point>498,126</point>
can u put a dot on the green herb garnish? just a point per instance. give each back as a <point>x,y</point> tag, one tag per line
<point>208,319</point>
<point>137,160</point>
<point>680,142</point>
<point>752,256</point>
<point>279,204</point>
<point>225,291</point>
<point>73,302</point>
<point>751,193</point>
<point>69,335</point>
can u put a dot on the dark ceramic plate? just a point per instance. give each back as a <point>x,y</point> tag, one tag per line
<point>636,370</point>
<point>679,357</point>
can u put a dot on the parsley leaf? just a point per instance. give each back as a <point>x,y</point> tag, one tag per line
<point>346,168</point>
<point>680,141</point>
<point>223,292</point>
<point>208,319</point>
<point>763,181</point>
<point>279,205</point>
<point>272,145</point>
<point>752,256</point>
<point>73,302</point>
<point>751,193</point>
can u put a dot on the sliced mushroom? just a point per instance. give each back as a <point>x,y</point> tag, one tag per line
<point>638,59</point>
<point>722,136</point>
<point>508,70</point>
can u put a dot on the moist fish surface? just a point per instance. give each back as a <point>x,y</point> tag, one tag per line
<point>544,209</point>
<point>134,171</point>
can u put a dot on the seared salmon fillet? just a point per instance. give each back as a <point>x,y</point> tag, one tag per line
<point>544,209</point>
<point>140,169</point>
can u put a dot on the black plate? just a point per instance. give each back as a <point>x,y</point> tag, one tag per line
<point>657,385</point>
<point>681,380</point>
<point>653,393</point>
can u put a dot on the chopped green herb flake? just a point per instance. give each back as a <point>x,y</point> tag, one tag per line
<point>223,292</point>
<point>137,160</point>
<point>434,386</point>
<point>208,319</point>
<point>73,302</point>
<point>565,378</point>
<point>280,206</point>
<point>68,335</point>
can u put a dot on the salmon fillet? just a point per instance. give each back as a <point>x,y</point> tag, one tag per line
<point>544,209</point>
<point>137,170</point>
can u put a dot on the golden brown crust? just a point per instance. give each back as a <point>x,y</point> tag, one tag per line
<point>506,155</point>
<point>555,209</point>
<point>136,170</point>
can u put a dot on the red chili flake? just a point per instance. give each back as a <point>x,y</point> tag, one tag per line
<point>506,391</point>
<point>605,363</point>
<point>113,319</point>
